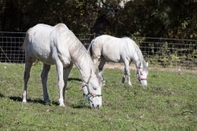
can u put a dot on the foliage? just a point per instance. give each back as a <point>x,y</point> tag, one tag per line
<point>72,13</point>
<point>168,52</point>
<point>158,18</point>
<point>167,103</point>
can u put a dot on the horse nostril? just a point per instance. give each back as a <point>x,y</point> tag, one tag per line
<point>97,106</point>
<point>92,105</point>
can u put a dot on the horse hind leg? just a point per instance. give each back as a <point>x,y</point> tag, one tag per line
<point>28,65</point>
<point>44,77</point>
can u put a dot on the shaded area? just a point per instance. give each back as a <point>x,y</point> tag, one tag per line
<point>1,95</point>
<point>107,16</point>
<point>80,105</point>
<point>40,101</point>
<point>16,98</point>
<point>74,79</point>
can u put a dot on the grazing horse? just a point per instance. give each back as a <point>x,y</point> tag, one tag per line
<point>57,45</point>
<point>109,48</point>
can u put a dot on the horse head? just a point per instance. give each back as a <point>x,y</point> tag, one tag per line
<point>92,90</point>
<point>142,73</point>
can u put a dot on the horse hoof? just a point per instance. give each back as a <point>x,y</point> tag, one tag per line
<point>129,83</point>
<point>24,101</point>
<point>63,105</point>
<point>48,103</point>
<point>123,79</point>
<point>103,82</point>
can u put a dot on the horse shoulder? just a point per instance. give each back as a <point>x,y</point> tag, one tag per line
<point>60,52</point>
<point>126,48</point>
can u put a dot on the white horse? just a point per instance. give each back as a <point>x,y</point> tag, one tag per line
<point>109,48</point>
<point>57,45</point>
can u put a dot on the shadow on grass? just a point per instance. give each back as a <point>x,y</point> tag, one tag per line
<point>40,101</point>
<point>80,107</point>
<point>15,98</point>
<point>74,79</point>
<point>1,95</point>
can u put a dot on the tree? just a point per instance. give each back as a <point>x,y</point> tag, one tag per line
<point>153,18</point>
<point>106,15</point>
<point>158,18</point>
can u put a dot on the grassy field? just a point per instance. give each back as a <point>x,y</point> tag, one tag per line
<point>169,102</point>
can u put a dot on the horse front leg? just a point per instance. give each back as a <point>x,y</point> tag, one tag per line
<point>28,66</point>
<point>100,67</point>
<point>126,76</point>
<point>44,77</point>
<point>59,69</point>
<point>66,74</point>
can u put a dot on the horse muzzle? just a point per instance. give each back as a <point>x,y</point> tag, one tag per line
<point>144,82</point>
<point>95,106</point>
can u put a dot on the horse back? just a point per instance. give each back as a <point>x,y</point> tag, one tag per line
<point>108,47</point>
<point>44,43</point>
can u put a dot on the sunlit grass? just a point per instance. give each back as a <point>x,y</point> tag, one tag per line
<point>169,102</point>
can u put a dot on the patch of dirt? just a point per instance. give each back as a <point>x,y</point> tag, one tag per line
<point>120,66</point>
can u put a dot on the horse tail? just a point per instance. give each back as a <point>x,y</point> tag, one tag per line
<point>90,48</point>
<point>24,43</point>
<point>27,39</point>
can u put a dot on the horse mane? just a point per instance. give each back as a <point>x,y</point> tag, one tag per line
<point>138,51</point>
<point>77,50</point>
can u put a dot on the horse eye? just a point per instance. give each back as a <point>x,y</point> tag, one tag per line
<point>94,88</point>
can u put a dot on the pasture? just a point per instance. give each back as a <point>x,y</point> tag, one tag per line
<point>169,102</point>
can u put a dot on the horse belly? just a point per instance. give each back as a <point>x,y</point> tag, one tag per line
<point>111,54</point>
<point>43,54</point>
<point>112,57</point>
<point>45,58</point>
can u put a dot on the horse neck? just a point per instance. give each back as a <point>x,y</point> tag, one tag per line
<point>138,62</point>
<point>138,58</point>
<point>82,61</point>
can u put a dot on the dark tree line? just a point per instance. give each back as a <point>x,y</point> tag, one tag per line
<point>154,18</point>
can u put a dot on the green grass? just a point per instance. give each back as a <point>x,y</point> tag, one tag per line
<point>169,102</point>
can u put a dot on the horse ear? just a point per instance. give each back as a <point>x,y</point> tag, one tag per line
<point>100,74</point>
